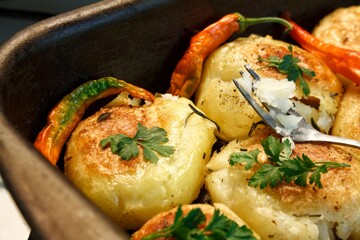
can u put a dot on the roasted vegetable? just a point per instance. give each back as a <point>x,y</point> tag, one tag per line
<point>340,28</point>
<point>347,121</point>
<point>289,211</point>
<point>64,117</point>
<point>186,76</point>
<point>345,62</point>
<point>196,221</point>
<point>131,191</point>
<point>218,98</point>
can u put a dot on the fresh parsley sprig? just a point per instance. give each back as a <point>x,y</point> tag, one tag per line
<point>152,140</point>
<point>189,228</point>
<point>289,65</point>
<point>281,167</point>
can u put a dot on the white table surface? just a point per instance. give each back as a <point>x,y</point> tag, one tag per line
<point>12,224</point>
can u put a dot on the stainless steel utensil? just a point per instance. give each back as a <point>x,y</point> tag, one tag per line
<point>304,131</point>
<point>139,41</point>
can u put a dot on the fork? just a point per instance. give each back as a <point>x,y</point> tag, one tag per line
<point>305,132</point>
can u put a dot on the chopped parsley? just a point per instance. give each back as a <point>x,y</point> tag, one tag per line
<point>289,65</point>
<point>191,227</point>
<point>281,167</point>
<point>152,141</point>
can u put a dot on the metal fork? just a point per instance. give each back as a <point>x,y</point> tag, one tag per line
<point>303,133</point>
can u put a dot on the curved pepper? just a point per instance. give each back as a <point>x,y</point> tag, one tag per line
<point>186,76</point>
<point>64,117</point>
<point>343,61</point>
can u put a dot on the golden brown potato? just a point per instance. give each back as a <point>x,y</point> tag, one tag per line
<point>131,192</point>
<point>219,99</point>
<point>289,211</point>
<point>341,28</point>
<point>347,121</point>
<point>165,219</point>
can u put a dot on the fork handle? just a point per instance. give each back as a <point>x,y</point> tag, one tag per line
<point>332,139</point>
<point>343,141</point>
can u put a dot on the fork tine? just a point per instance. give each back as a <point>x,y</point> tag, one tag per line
<point>252,72</point>
<point>303,133</point>
<point>270,121</point>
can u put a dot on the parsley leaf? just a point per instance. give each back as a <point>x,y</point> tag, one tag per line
<point>275,150</point>
<point>281,166</point>
<point>249,158</point>
<point>267,175</point>
<point>289,65</point>
<point>152,140</point>
<point>189,227</point>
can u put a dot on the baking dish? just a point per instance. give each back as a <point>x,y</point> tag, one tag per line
<point>138,41</point>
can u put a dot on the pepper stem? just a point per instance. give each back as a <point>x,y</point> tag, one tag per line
<point>246,22</point>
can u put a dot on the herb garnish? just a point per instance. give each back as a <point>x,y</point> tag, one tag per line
<point>151,140</point>
<point>289,65</point>
<point>281,167</point>
<point>197,112</point>
<point>188,227</point>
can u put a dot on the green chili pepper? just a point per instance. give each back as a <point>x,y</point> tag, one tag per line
<point>64,117</point>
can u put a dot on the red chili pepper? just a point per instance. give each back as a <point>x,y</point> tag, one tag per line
<point>186,76</point>
<point>64,117</point>
<point>343,61</point>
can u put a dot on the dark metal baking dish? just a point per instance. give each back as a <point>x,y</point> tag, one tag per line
<point>135,40</point>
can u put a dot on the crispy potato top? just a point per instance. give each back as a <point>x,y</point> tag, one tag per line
<point>341,28</point>
<point>131,192</point>
<point>219,99</point>
<point>290,211</point>
<point>166,219</point>
<point>347,121</point>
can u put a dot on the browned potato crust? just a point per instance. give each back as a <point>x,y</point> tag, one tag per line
<point>219,99</point>
<point>341,28</point>
<point>289,211</point>
<point>166,219</point>
<point>347,121</point>
<point>131,192</point>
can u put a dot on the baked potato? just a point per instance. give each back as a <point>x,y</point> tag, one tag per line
<point>221,102</point>
<point>347,121</point>
<point>289,211</point>
<point>341,28</point>
<point>131,192</point>
<point>166,219</point>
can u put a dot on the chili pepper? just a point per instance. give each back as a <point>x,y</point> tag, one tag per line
<point>186,76</point>
<point>343,61</point>
<point>64,117</point>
